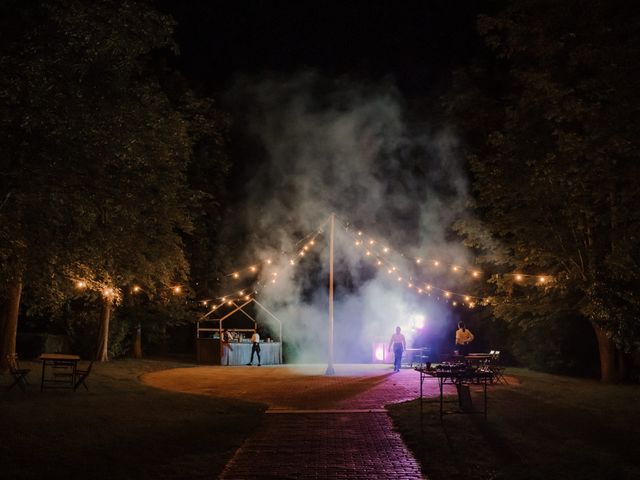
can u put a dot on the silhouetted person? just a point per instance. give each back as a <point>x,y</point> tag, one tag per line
<point>463,338</point>
<point>399,345</point>
<point>255,347</point>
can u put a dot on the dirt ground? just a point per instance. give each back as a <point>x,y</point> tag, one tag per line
<point>296,387</point>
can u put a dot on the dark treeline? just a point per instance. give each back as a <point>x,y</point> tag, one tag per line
<point>113,172</point>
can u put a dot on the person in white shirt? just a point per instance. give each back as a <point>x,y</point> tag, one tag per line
<point>463,338</point>
<point>399,346</point>
<point>255,347</point>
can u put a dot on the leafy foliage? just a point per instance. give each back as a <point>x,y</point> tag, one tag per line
<point>97,151</point>
<point>553,155</point>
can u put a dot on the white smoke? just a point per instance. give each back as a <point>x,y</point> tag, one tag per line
<point>336,146</point>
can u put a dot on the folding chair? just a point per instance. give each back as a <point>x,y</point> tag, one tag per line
<point>19,374</point>
<point>496,369</point>
<point>81,377</point>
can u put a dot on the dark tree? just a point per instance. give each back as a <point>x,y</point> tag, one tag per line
<point>93,174</point>
<point>551,120</point>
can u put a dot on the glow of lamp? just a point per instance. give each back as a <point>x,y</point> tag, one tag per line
<point>268,261</point>
<point>236,275</point>
<point>476,274</point>
<point>380,353</point>
<point>542,279</point>
<point>518,277</point>
<point>418,320</point>
<point>81,284</point>
<point>136,289</point>
<point>436,263</point>
<point>385,249</point>
<point>177,289</point>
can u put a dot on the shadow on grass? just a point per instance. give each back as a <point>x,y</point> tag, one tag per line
<point>543,429</point>
<point>120,429</point>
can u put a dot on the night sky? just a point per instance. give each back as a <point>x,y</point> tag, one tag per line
<point>416,44</point>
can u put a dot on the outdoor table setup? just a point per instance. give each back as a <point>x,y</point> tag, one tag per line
<point>460,374</point>
<point>63,370</point>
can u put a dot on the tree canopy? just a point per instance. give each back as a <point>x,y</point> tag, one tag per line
<point>96,152</point>
<point>551,121</point>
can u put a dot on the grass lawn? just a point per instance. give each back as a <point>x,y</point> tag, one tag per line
<point>544,427</point>
<point>119,429</point>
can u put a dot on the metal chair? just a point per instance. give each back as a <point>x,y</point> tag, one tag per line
<point>19,374</point>
<point>81,377</point>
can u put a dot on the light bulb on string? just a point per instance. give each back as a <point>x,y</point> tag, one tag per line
<point>236,275</point>
<point>436,263</point>
<point>518,277</point>
<point>135,289</point>
<point>177,289</point>
<point>476,274</point>
<point>81,284</point>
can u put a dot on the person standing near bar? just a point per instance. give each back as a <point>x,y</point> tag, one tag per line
<point>463,338</point>
<point>399,345</point>
<point>255,347</point>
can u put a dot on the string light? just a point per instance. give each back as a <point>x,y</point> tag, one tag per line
<point>177,289</point>
<point>81,284</point>
<point>136,289</point>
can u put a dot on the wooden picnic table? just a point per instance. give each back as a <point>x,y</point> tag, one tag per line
<point>66,363</point>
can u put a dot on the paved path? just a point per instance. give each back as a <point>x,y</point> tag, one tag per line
<point>316,427</point>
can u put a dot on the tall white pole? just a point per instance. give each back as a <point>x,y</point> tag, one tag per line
<point>330,370</point>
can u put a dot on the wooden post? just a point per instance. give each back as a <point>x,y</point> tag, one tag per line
<point>330,370</point>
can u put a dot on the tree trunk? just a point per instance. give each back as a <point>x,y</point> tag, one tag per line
<point>136,349</point>
<point>9,324</point>
<point>102,354</point>
<point>611,366</point>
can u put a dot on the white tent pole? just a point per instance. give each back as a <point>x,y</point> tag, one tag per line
<point>330,370</point>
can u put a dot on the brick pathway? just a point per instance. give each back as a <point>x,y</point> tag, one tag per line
<point>316,427</point>
<point>323,445</point>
